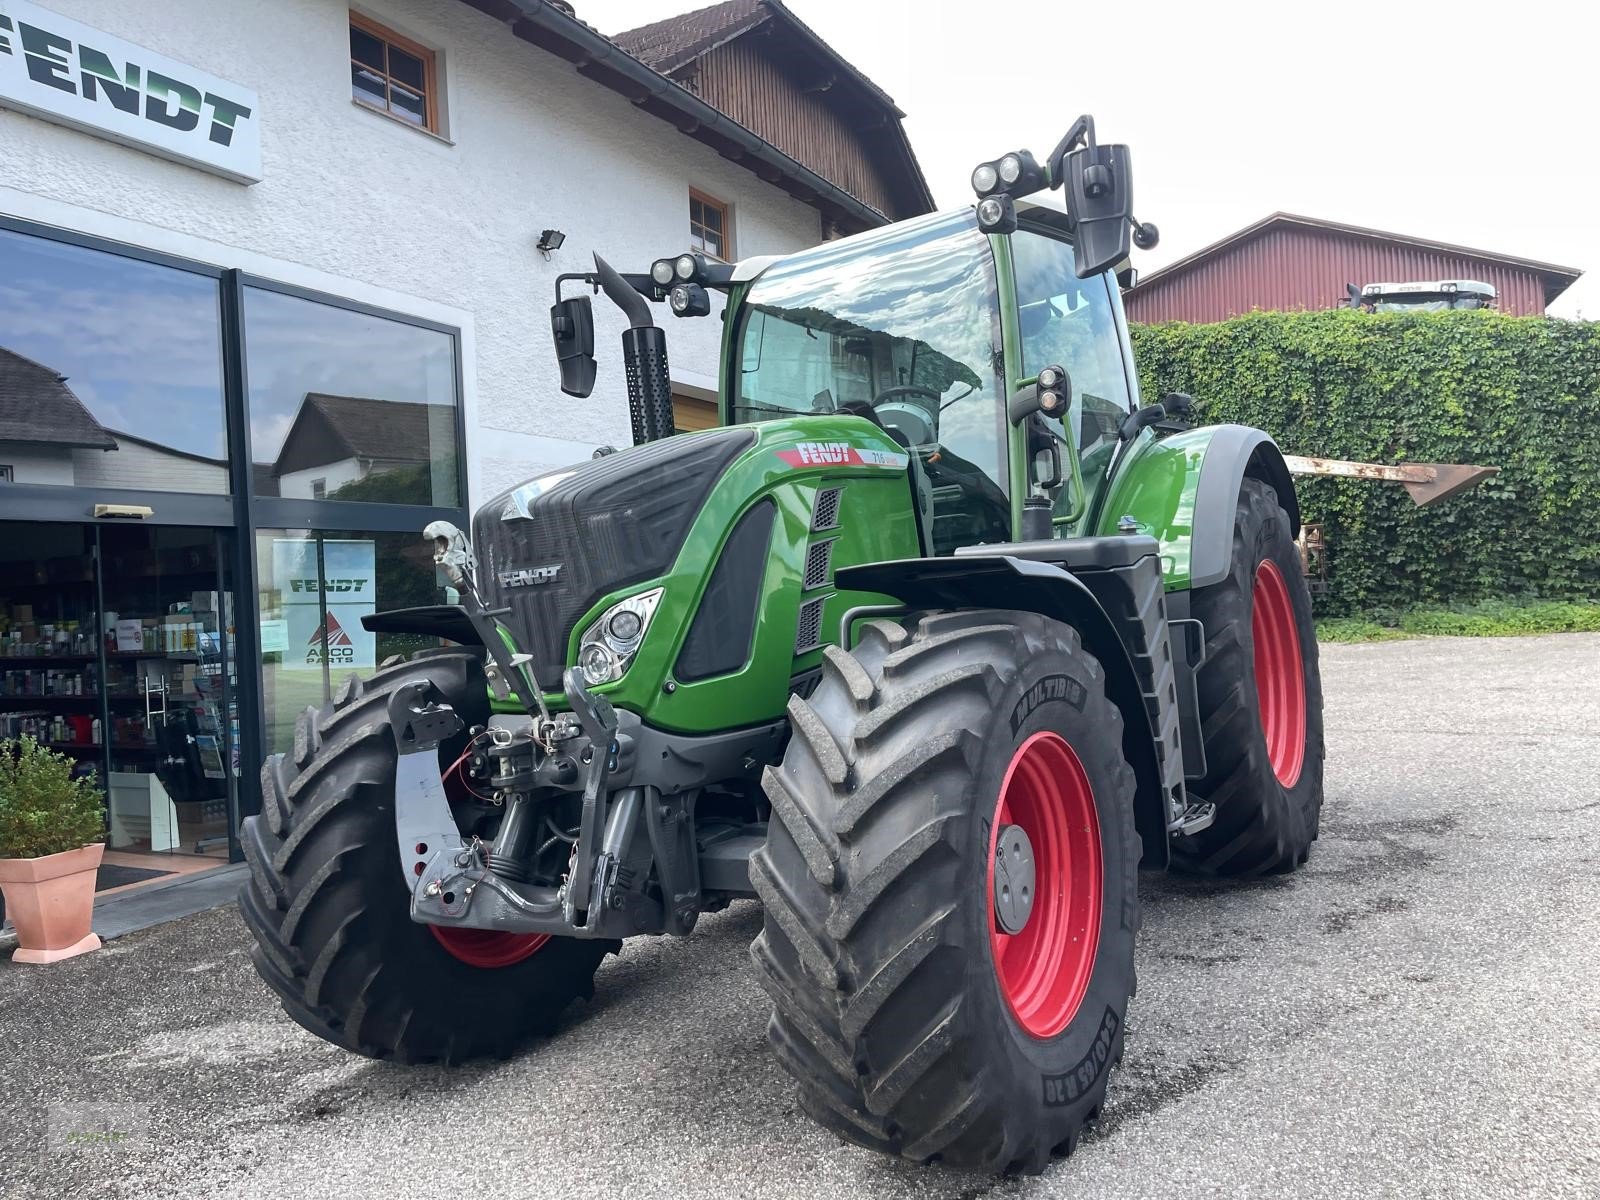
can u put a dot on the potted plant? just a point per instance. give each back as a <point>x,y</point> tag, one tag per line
<point>52,831</point>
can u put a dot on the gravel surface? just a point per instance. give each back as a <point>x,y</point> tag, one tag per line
<point>1417,1013</point>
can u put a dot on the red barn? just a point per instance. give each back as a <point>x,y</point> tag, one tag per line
<point>1285,262</point>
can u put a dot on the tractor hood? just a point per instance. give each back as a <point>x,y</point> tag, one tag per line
<point>550,548</point>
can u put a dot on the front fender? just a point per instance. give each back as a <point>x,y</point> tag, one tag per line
<point>1182,491</point>
<point>999,580</point>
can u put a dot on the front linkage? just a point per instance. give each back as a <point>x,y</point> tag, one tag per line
<point>591,751</point>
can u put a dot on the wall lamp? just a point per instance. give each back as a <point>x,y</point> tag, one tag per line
<point>549,239</point>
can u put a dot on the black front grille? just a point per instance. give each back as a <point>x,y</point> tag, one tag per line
<point>610,522</point>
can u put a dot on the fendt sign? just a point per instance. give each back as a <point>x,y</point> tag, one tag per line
<point>66,72</point>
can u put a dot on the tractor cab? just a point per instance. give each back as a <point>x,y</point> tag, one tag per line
<point>925,329</point>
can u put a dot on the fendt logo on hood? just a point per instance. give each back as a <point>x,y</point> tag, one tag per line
<point>840,454</point>
<point>529,576</point>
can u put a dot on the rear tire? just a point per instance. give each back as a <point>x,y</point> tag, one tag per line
<point>897,1007</point>
<point>330,910</point>
<point>1260,703</point>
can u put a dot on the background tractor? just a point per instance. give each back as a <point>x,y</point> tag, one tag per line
<point>937,641</point>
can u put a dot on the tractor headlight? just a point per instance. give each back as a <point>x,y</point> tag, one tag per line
<point>997,214</point>
<point>606,650</point>
<point>685,267</point>
<point>1010,169</point>
<point>598,664</point>
<point>661,271</point>
<point>984,179</point>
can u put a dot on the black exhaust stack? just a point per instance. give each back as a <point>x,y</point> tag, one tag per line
<point>644,357</point>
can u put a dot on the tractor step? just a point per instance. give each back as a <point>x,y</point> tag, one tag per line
<point>1196,817</point>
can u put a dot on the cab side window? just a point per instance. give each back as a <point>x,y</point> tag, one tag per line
<point>1070,322</point>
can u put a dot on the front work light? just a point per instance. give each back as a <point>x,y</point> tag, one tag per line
<point>687,267</point>
<point>997,214</point>
<point>689,300</point>
<point>661,272</point>
<point>985,178</point>
<point>1019,174</point>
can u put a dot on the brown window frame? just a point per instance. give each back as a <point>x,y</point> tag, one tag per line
<point>697,229</point>
<point>430,73</point>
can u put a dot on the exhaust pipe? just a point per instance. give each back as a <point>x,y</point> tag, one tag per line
<point>644,358</point>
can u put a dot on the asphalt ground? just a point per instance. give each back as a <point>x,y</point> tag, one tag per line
<point>1417,1013</point>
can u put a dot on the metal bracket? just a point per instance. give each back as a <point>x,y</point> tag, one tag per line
<point>670,823</point>
<point>1196,817</point>
<point>417,722</point>
<point>599,721</point>
<point>424,825</point>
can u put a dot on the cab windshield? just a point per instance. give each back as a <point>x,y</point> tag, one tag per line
<point>901,327</point>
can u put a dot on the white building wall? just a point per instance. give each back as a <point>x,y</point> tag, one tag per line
<point>296,485</point>
<point>135,465</point>
<point>36,464</point>
<point>358,204</point>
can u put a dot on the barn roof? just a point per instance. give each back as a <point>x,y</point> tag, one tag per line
<point>1557,279</point>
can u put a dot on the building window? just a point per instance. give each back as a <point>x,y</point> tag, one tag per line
<point>5,473</point>
<point>117,364</point>
<point>393,74</point>
<point>363,405</point>
<point>708,226</point>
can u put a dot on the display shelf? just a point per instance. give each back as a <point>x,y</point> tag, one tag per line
<point>31,659</point>
<point>48,698</point>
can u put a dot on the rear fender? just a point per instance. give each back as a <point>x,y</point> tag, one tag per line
<point>1182,490</point>
<point>1001,581</point>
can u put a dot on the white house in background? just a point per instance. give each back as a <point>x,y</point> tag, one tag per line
<point>339,440</point>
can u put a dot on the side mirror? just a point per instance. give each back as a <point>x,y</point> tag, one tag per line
<point>572,326</point>
<point>1099,187</point>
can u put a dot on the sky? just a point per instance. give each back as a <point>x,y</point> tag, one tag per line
<point>1462,122</point>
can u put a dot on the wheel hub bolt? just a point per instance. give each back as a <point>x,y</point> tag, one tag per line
<point>1014,884</point>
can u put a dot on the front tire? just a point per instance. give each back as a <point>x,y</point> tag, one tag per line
<point>330,910</point>
<point>912,1020</point>
<point>1260,703</point>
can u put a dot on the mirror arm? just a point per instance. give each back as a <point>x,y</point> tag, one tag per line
<point>1081,133</point>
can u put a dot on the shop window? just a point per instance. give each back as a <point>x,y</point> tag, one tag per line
<point>708,226</point>
<point>393,74</point>
<point>362,404</point>
<point>314,589</point>
<point>110,370</point>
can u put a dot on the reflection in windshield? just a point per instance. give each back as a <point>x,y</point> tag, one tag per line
<point>900,326</point>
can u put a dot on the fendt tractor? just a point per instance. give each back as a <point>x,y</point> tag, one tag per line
<point>928,648</point>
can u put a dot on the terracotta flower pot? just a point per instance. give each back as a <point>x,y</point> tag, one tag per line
<point>51,902</point>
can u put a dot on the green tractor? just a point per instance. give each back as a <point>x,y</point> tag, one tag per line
<point>928,649</point>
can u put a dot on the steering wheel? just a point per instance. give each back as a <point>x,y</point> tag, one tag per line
<point>918,424</point>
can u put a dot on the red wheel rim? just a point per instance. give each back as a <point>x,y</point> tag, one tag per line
<point>1044,969</point>
<point>1280,674</point>
<point>489,948</point>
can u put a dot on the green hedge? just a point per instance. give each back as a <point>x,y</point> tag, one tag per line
<point>1519,393</point>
